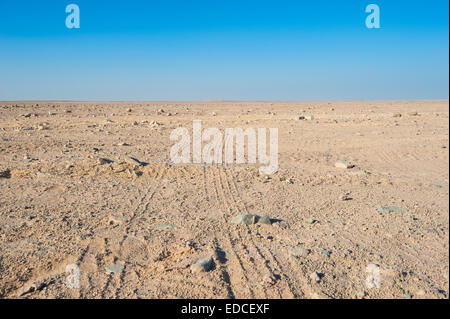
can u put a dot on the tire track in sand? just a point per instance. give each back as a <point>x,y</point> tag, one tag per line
<point>263,252</point>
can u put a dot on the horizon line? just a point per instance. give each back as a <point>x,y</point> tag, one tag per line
<point>218,100</point>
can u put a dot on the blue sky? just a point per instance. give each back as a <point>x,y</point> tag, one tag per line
<point>223,49</point>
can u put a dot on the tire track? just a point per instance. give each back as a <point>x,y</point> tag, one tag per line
<point>236,278</point>
<point>246,257</point>
<point>238,200</point>
<point>141,208</point>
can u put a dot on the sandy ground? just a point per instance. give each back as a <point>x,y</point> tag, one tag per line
<point>135,231</point>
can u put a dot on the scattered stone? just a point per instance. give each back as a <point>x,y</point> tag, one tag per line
<point>311,221</point>
<point>300,118</point>
<point>165,226</point>
<point>155,123</point>
<point>343,164</point>
<point>138,161</point>
<point>251,219</point>
<point>114,268</point>
<point>103,161</point>
<point>397,115</point>
<point>123,144</point>
<point>325,252</point>
<point>244,220</point>
<point>129,110</point>
<point>315,277</point>
<point>309,117</point>
<point>391,209</point>
<point>269,280</point>
<point>202,265</point>
<point>117,220</point>
<point>5,173</point>
<point>413,113</point>
<point>344,197</point>
<point>42,127</point>
<point>298,251</point>
<point>265,220</point>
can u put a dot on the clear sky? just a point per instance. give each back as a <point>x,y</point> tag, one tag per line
<point>224,49</point>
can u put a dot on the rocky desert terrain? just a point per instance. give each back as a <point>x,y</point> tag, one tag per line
<point>91,184</point>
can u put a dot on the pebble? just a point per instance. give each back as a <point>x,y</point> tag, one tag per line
<point>265,220</point>
<point>298,251</point>
<point>391,209</point>
<point>42,127</point>
<point>244,220</point>
<point>343,164</point>
<point>202,265</point>
<point>397,115</point>
<point>344,197</point>
<point>135,160</point>
<point>324,252</point>
<point>117,220</point>
<point>251,219</point>
<point>165,226</point>
<point>315,276</point>
<point>114,268</point>
<point>103,161</point>
<point>5,173</point>
<point>269,280</point>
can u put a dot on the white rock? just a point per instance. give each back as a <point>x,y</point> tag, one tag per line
<point>343,164</point>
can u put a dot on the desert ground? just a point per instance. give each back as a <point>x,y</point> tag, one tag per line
<point>71,194</point>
